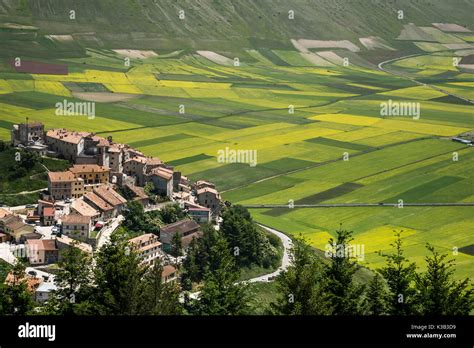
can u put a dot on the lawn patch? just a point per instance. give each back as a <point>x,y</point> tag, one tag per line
<point>191,159</point>
<point>238,174</point>
<point>341,144</point>
<point>270,55</point>
<point>153,141</point>
<point>6,124</point>
<point>318,197</point>
<point>420,191</point>
<point>32,100</point>
<point>85,87</point>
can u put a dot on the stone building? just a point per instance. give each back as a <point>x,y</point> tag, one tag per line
<point>27,133</point>
<point>62,185</point>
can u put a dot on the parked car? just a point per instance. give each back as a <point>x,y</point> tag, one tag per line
<point>30,206</point>
<point>67,200</point>
<point>32,273</point>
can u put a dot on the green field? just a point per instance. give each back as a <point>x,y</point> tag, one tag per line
<point>302,120</point>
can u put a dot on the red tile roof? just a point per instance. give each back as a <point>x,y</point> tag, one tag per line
<point>66,136</point>
<point>88,168</point>
<point>180,226</point>
<point>83,208</point>
<point>164,173</point>
<point>99,202</point>
<point>75,219</point>
<point>110,196</point>
<point>61,176</point>
<point>48,211</point>
<point>42,244</point>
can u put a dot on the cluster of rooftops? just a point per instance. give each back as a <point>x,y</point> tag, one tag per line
<point>87,199</point>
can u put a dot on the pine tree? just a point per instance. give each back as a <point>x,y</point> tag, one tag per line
<point>437,292</point>
<point>243,235</point>
<point>376,296</point>
<point>72,279</point>
<point>220,294</point>
<point>399,274</point>
<point>191,271</point>
<point>118,276</point>
<point>161,298</point>
<point>176,246</point>
<point>301,286</point>
<point>198,258</point>
<point>344,294</point>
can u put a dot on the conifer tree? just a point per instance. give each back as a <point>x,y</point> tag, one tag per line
<point>221,294</point>
<point>160,298</point>
<point>400,275</point>
<point>73,281</point>
<point>437,292</point>
<point>118,277</point>
<point>376,296</point>
<point>302,286</point>
<point>176,246</point>
<point>345,294</point>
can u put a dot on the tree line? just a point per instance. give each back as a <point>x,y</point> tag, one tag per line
<point>312,286</point>
<point>115,282</point>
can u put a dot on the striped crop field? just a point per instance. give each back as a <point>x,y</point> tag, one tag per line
<point>318,131</point>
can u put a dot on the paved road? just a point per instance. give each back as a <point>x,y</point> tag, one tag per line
<point>6,253</point>
<point>20,207</point>
<point>342,205</point>
<point>381,67</point>
<point>285,262</point>
<point>39,273</point>
<point>45,231</point>
<point>105,234</point>
<point>24,192</point>
<point>158,206</point>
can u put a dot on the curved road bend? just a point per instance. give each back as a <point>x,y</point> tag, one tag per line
<point>381,64</point>
<point>285,262</point>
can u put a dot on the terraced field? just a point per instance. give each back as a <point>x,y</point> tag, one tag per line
<point>317,130</point>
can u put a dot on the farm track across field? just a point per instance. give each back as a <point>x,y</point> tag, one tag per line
<point>239,113</point>
<point>340,159</point>
<point>380,66</point>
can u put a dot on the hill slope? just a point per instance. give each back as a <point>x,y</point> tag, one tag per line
<point>223,25</point>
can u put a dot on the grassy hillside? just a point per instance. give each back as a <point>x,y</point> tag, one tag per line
<point>20,187</point>
<point>225,25</point>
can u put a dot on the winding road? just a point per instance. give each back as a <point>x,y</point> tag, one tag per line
<point>285,262</point>
<point>381,67</point>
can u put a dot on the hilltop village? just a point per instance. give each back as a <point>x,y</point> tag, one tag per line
<point>85,204</point>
